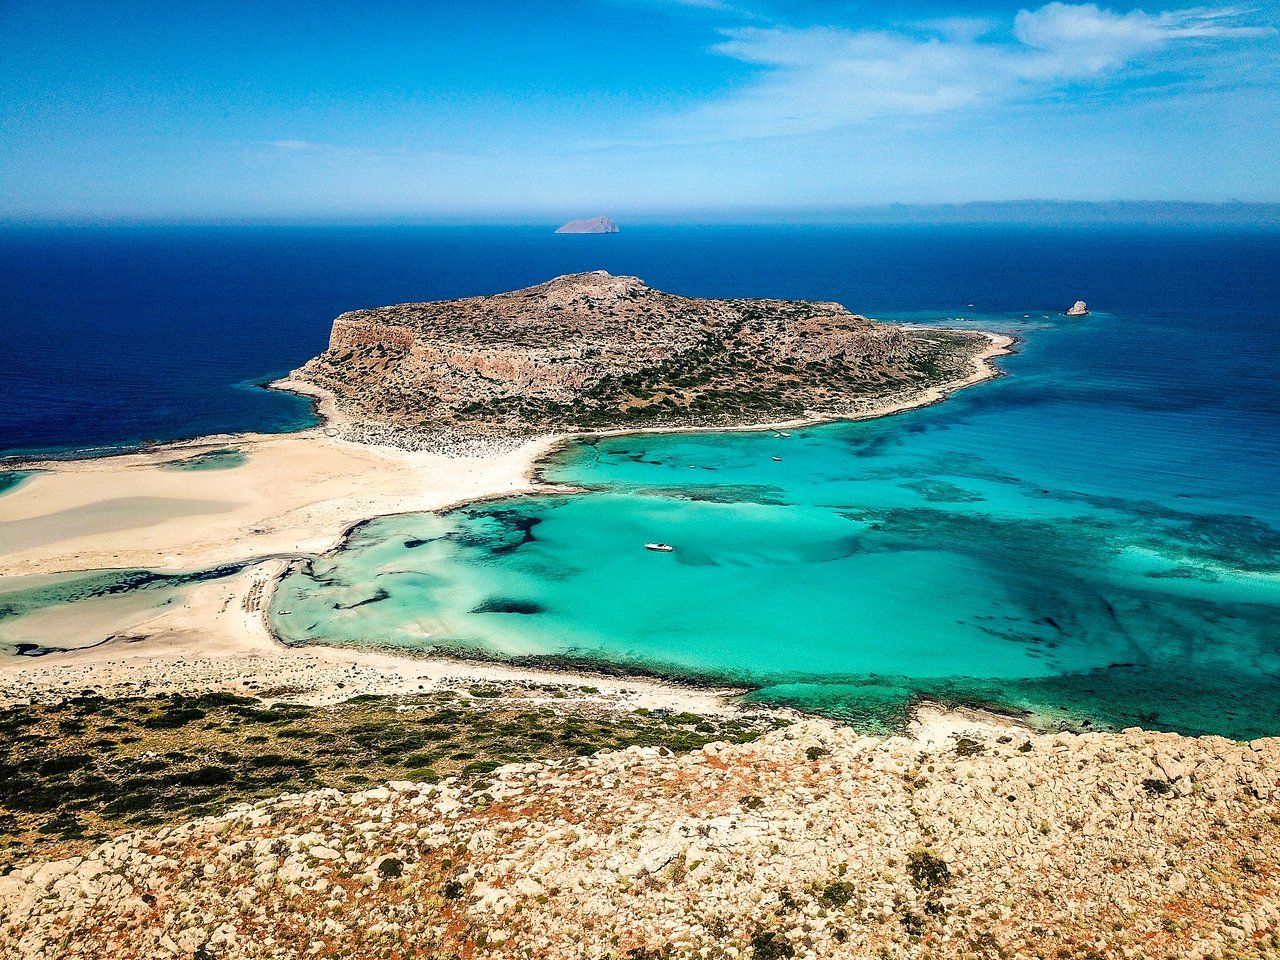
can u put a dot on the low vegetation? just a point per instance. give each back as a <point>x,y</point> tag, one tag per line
<point>88,768</point>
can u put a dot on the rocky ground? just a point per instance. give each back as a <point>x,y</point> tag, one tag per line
<point>810,841</point>
<point>595,351</point>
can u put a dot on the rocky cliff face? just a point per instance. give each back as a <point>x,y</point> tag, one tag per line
<point>599,351</point>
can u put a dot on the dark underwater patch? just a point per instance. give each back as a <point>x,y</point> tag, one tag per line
<point>762,494</point>
<point>509,605</point>
<point>498,530</point>
<point>377,597</point>
<point>941,491</point>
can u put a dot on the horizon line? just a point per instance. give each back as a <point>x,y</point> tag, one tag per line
<point>1045,212</point>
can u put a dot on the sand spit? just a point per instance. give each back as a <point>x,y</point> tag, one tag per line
<point>809,842</point>
<point>295,494</point>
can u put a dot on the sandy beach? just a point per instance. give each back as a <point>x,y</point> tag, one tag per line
<point>293,495</point>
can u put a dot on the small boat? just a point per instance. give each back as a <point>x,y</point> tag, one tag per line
<point>660,547</point>
<point>283,613</point>
<point>777,459</point>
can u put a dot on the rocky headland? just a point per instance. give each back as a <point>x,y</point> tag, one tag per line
<point>594,351</point>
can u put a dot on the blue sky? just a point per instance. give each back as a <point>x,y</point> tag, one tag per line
<point>530,110</point>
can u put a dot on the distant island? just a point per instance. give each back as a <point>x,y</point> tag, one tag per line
<point>589,225</point>
<point>596,351</point>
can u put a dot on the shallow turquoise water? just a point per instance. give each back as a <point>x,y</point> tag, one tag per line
<point>223,459</point>
<point>9,480</point>
<point>1083,539</point>
<point>45,613</point>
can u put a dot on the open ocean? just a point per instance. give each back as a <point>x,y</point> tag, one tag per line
<point>1095,537</point>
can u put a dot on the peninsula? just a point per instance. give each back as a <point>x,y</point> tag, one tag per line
<point>593,351</point>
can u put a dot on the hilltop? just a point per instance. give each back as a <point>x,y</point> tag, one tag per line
<point>805,842</point>
<point>597,351</point>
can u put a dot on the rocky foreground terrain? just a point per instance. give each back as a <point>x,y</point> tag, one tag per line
<point>810,841</point>
<point>597,351</point>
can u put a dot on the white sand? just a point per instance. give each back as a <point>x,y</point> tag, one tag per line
<point>296,493</point>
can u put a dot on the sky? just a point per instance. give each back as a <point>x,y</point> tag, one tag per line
<point>131,110</point>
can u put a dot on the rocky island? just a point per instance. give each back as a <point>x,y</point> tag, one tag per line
<point>594,351</point>
<point>589,225</point>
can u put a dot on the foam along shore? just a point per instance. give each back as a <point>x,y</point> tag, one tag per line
<point>283,496</point>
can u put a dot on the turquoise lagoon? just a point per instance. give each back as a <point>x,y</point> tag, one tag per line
<point>1092,539</point>
<point>10,479</point>
<point>225,458</point>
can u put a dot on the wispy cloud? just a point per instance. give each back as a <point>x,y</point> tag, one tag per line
<point>1082,39</point>
<point>818,78</point>
<point>709,6</point>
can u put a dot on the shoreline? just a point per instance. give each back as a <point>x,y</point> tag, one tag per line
<point>1000,345</point>
<point>227,617</point>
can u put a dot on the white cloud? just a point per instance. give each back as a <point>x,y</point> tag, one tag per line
<point>818,78</point>
<point>1083,38</point>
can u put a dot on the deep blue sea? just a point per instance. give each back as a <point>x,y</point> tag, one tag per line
<point>118,336</point>
<point>1094,538</point>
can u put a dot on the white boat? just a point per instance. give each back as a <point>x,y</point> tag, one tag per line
<point>660,547</point>
<point>777,459</point>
